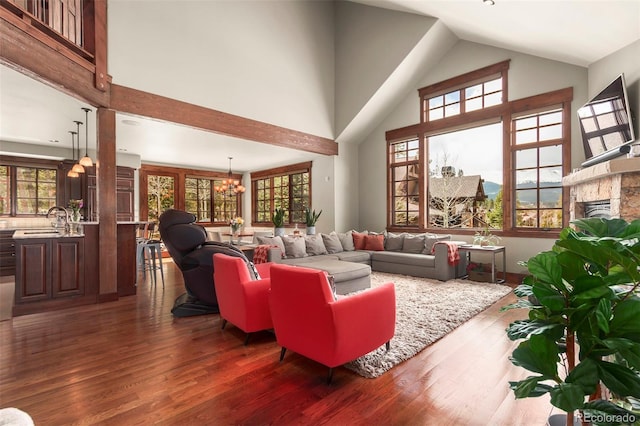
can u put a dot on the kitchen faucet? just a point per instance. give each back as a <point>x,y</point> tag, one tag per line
<point>67,225</point>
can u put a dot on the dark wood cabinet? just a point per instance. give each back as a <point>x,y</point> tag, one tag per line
<point>49,268</point>
<point>70,188</point>
<point>125,191</point>
<point>7,253</point>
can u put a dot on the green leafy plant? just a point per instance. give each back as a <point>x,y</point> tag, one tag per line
<point>485,238</point>
<point>583,313</point>
<point>311,217</point>
<point>278,217</point>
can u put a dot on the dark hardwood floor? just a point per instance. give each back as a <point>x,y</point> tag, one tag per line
<point>130,362</point>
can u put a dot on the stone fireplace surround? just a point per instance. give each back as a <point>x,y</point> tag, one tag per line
<point>616,181</point>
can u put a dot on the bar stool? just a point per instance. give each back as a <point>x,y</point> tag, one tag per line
<point>146,253</point>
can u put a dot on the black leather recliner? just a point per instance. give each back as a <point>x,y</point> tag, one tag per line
<point>186,242</point>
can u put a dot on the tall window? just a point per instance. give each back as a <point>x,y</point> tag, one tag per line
<point>190,190</point>
<point>201,199</point>
<point>35,190</point>
<point>5,187</point>
<point>476,146</point>
<point>286,187</point>
<point>404,160</point>
<point>465,178</point>
<point>537,148</point>
<point>160,195</point>
<point>197,198</point>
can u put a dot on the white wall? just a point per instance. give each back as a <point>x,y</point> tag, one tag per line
<point>370,44</point>
<point>528,75</point>
<point>269,61</point>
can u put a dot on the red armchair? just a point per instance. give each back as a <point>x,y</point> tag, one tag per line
<point>308,320</point>
<point>242,300</point>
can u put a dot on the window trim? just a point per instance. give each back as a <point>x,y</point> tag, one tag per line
<point>13,163</point>
<point>503,112</point>
<point>288,170</point>
<point>180,175</point>
<point>390,178</point>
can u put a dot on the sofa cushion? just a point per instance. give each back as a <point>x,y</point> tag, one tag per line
<point>294,246</point>
<point>413,243</point>
<point>341,271</point>
<point>358,240</point>
<point>393,242</point>
<point>314,245</point>
<point>431,240</point>
<point>307,260</point>
<point>273,241</point>
<point>332,243</point>
<point>359,256</point>
<point>346,240</point>
<point>412,259</point>
<point>374,242</point>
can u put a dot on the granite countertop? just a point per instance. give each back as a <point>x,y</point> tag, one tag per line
<point>6,225</point>
<point>44,233</point>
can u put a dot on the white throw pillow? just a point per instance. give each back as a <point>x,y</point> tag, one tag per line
<point>294,246</point>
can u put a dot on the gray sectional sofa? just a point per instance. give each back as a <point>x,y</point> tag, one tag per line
<point>351,256</point>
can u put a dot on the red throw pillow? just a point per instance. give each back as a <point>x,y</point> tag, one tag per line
<point>358,240</point>
<point>374,242</point>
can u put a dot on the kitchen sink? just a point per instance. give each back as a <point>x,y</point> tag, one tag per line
<point>42,231</point>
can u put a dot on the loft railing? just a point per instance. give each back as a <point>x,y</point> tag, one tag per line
<point>61,20</point>
<point>63,16</point>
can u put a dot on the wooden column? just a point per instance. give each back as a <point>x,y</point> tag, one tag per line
<point>106,172</point>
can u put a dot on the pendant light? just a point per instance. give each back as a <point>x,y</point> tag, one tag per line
<point>77,167</point>
<point>71,173</point>
<point>86,160</point>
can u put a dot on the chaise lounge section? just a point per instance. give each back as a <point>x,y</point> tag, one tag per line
<point>351,256</point>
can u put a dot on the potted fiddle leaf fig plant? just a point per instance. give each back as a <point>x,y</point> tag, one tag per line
<point>310,218</point>
<point>278,221</point>
<point>581,338</point>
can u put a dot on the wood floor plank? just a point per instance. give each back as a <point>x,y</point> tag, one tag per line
<point>130,362</point>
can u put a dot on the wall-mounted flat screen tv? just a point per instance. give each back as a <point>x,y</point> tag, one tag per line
<point>605,122</point>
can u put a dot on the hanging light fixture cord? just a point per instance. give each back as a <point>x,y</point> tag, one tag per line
<point>86,160</point>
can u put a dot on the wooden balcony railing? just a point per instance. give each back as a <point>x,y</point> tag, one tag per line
<point>62,20</point>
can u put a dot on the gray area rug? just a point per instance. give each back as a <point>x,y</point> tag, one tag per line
<point>426,310</point>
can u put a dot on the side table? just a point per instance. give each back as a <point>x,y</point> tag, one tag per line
<point>467,249</point>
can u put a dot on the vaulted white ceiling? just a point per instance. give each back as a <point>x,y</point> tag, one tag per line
<point>577,32</point>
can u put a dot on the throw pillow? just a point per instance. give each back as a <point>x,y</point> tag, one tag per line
<point>332,243</point>
<point>332,285</point>
<point>294,246</point>
<point>393,242</point>
<point>346,240</point>
<point>315,245</point>
<point>358,240</point>
<point>413,243</point>
<point>430,241</point>
<point>253,271</point>
<point>273,241</point>
<point>374,242</point>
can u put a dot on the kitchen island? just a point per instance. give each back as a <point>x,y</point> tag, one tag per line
<point>55,270</point>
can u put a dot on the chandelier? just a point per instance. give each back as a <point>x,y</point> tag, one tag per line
<point>229,184</point>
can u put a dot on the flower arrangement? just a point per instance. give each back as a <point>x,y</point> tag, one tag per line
<point>75,206</point>
<point>236,223</point>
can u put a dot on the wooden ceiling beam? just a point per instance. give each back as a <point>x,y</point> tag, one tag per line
<point>136,102</point>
